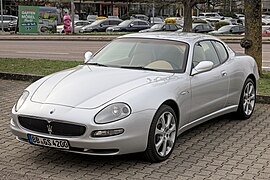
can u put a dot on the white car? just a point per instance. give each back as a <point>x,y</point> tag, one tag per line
<point>137,94</point>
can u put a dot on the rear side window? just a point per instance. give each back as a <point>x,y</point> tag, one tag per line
<point>222,52</point>
<point>142,23</point>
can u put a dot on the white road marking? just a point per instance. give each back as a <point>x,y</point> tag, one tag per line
<point>52,53</point>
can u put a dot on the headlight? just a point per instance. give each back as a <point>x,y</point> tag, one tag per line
<point>21,100</point>
<point>113,112</point>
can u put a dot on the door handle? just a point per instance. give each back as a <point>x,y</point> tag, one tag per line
<point>224,73</point>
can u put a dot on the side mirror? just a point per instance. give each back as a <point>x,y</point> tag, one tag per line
<point>203,66</point>
<point>87,56</point>
<point>131,25</point>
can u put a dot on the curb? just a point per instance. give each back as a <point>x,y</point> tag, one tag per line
<point>263,99</point>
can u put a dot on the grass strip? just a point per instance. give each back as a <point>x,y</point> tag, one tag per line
<point>35,67</point>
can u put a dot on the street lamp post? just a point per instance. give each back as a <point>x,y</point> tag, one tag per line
<point>153,12</point>
<point>72,15</point>
<point>2,18</point>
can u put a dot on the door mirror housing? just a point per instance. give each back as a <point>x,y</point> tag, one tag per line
<point>88,56</point>
<point>203,66</point>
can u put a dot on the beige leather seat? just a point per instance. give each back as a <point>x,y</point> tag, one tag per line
<point>160,64</point>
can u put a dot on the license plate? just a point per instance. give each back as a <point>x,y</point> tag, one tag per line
<point>48,142</point>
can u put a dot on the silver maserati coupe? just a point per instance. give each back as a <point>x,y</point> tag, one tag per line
<point>137,94</point>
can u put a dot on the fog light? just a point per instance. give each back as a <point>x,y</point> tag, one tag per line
<point>106,133</point>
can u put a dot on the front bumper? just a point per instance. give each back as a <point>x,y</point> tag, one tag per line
<point>133,139</point>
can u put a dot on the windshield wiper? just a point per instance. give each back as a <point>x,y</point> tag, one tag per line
<point>95,64</point>
<point>138,67</point>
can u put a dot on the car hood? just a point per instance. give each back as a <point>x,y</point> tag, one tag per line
<point>89,87</point>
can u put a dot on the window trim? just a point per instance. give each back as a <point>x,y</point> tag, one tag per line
<point>219,56</point>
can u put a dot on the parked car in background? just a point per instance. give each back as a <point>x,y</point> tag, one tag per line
<point>265,30</point>
<point>12,25</point>
<point>133,25</point>
<point>91,18</point>
<point>201,28</point>
<point>139,16</point>
<point>230,29</point>
<point>100,25</point>
<point>78,25</point>
<point>163,27</point>
<point>137,94</point>
<point>6,20</point>
<point>156,20</point>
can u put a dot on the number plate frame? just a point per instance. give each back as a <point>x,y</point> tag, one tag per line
<point>48,142</point>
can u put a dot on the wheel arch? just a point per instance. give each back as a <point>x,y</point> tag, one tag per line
<point>253,78</point>
<point>175,107</point>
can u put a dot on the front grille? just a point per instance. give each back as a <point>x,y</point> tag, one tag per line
<point>53,127</point>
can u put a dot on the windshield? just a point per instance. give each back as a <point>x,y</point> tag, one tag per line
<point>224,28</point>
<point>157,26</point>
<point>144,53</point>
<point>125,23</point>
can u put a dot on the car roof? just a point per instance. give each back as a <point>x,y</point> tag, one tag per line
<point>176,36</point>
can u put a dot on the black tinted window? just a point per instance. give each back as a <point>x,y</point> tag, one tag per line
<point>142,23</point>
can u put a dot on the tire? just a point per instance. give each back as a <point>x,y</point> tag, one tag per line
<point>247,100</point>
<point>162,135</point>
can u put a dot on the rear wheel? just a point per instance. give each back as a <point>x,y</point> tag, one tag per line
<point>247,100</point>
<point>162,135</point>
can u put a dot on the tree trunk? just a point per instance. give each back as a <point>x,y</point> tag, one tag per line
<point>187,17</point>
<point>253,32</point>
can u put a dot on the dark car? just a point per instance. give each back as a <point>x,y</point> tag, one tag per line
<point>100,25</point>
<point>163,27</point>
<point>201,28</point>
<point>133,25</point>
<point>12,25</point>
<point>230,29</point>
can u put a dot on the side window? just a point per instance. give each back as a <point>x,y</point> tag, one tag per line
<point>142,23</point>
<point>114,22</point>
<point>135,23</point>
<point>105,23</point>
<point>204,51</point>
<point>5,18</point>
<point>223,54</point>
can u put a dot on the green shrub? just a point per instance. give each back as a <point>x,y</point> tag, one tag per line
<point>220,24</point>
<point>200,21</point>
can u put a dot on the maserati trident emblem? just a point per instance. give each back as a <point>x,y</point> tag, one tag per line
<point>49,127</point>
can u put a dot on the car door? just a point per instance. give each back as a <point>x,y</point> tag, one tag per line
<point>133,26</point>
<point>142,25</point>
<point>209,89</point>
<point>103,26</point>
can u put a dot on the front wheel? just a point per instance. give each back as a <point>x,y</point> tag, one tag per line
<point>162,135</point>
<point>247,100</point>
